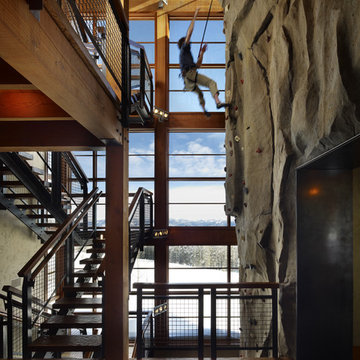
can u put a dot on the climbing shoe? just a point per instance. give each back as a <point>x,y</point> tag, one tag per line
<point>221,105</point>
<point>207,114</point>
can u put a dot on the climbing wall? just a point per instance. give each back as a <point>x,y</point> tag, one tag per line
<point>293,78</point>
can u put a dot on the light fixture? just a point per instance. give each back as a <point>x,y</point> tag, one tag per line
<point>160,114</point>
<point>162,3</point>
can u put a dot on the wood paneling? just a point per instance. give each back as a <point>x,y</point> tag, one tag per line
<point>42,54</point>
<point>194,121</point>
<point>175,7</point>
<point>46,135</point>
<point>20,104</point>
<point>199,236</point>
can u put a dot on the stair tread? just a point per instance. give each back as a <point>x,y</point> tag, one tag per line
<point>85,273</point>
<point>78,303</point>
<point>91,261</point>
<point>36,170</point>
<point>66,343</point>
<point>26,156</point>
<point>30,206</point>
<point>96,251</point>
<point>84,287</point>
<point>40,216</point>
<point>73,321</point>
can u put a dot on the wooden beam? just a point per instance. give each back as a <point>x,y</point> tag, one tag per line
<point>15,104</point>
<point>191,121</point>
<point>46,135</point>
<point>117,253</point>
<point>201,236</point>
<point>41,53</point>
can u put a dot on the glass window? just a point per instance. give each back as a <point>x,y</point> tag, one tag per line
<point>214,31</point>
<point>197,264</point>
<point>215,53</point>
<point>197,143</point>
<point>141,158</point>
<point>142,30</point>
<point>192,201</point>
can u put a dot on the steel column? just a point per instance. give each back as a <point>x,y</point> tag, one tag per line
<point>213,324</point>
<point>274,293</point>
<point>201,324</point>
<point>9,325</point>
<point>139,340</point>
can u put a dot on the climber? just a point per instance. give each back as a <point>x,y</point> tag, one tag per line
<point>192,79</point>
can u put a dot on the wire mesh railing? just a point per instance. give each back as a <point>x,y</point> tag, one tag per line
<point>215,316</point>
<point>141,82</point>
<point>140,222</point>
<point>12,322</point>
<point>102,27</point>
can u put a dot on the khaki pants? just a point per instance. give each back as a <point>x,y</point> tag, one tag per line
<point>192,79</point>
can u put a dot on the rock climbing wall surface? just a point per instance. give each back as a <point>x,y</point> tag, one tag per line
<point>293,77</point>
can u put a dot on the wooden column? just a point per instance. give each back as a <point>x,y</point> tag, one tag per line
<point>117,253</point>
<point>161,145</point>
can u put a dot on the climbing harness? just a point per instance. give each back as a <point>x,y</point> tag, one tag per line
<point>207,20</point>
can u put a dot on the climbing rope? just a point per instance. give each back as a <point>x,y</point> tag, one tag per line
<point>207,20</point>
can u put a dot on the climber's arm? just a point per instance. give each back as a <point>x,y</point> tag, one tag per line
<point>201,55</point>
<point>191,27</point>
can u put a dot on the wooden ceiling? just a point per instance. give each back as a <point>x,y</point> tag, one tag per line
<point>174,7</point>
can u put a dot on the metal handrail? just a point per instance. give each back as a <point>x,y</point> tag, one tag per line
<point>249,285</point>
<point>27,269</point>
<point>135,200</point>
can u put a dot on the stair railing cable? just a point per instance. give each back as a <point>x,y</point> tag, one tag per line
<point>49,269</point>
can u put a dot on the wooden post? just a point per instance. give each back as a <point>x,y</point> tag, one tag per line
<point>117,252</point>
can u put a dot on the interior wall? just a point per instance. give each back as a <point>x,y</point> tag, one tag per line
<point>356,258</point>
<point>17,244</point>
<point>324,264</point>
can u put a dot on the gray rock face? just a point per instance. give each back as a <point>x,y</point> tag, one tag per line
<point>293,77</point>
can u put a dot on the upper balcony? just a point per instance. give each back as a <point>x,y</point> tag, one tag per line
<point>67,64</point>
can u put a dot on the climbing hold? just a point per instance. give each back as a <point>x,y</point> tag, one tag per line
<point>231,153</point>
<point>236,108</point>
<point>230,175</point>
<point>224,146</point>
<point>225,168</point>
<point>245,204</point>
<point>243,182</point>
<point>230,143</point>
<point>226,117</point>
<point>268,38</point>
<point>246,190</point>
<point>242,149</point>
<point>237,138</point>
<point>248,128</point>
<point>242,237</point>
<point>228,209</point>
<point>258,150</point>
<point>240,56</point>
<point>242,81</point>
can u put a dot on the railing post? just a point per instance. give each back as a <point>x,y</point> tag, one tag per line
<point>139,340</point>
<point>151,204</point>
<point>125,81</point>
<point>275,322</point>
<point>69,260</point>
<point>27,315</point>
<point>142,78</point>
<point>142,220</point>
<point>201,324</point>
<point>103,316</point>
<point>213,324</point>
<point>9,325</point>
<point>151,334</point>
<point>56,178</point>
